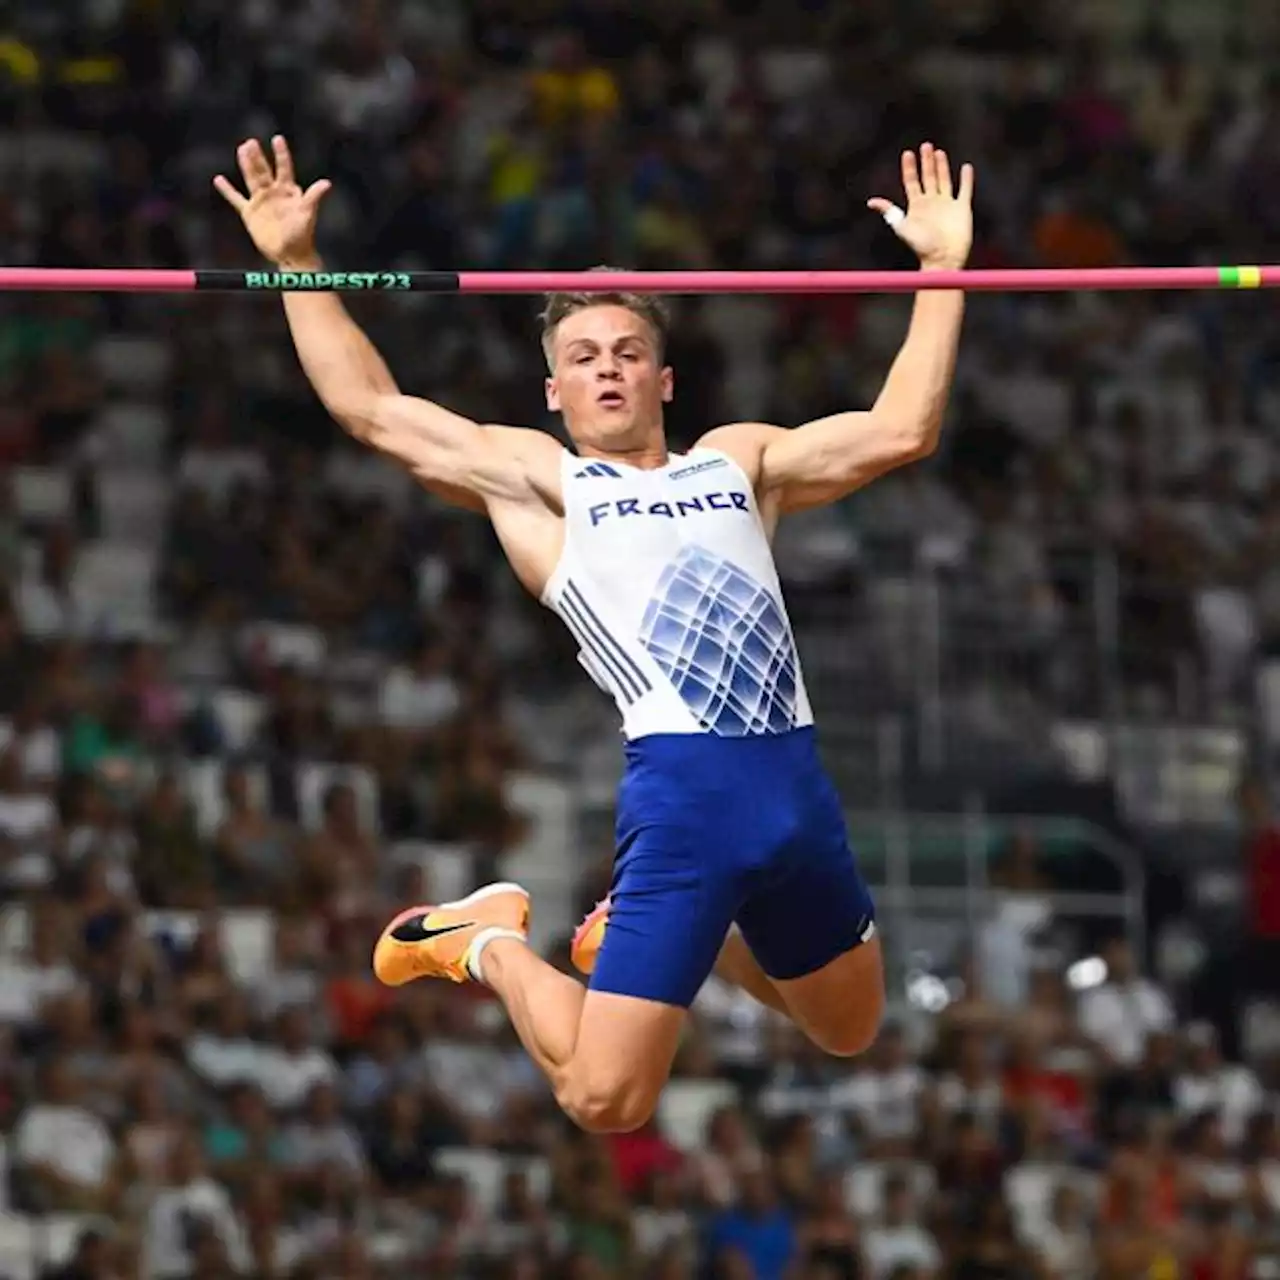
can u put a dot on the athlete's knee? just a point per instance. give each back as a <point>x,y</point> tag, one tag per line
<point>854,1029</point>
<point>840,1006</point>
<point>606,1103</point>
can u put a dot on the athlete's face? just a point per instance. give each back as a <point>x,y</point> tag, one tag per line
<point>607,378</point>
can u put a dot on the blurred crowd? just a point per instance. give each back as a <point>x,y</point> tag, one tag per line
<point>302,1122</point>
<point>255,695</point>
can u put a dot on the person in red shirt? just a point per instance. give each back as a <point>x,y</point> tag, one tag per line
<point>1226,1253</point>
<point>1059,1095</point>
<point>1244,956</point>
<point>353,1000</point>
<point>1262,845</point>
<point>640,1156</point>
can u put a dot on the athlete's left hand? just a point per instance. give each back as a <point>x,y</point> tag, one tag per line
<point>939,220</point>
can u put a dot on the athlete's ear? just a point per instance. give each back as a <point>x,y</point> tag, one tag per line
<point>667,382</point>
<point>553,395</point>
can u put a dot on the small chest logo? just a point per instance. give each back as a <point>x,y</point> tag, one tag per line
<point>597,470</point>
<point>697,468</point>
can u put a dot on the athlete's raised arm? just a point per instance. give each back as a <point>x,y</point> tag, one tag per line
<point>824,460</point>
<point>463,461</point>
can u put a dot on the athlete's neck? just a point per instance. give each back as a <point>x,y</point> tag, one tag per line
<point>643,447</point>
<point>650,458</point>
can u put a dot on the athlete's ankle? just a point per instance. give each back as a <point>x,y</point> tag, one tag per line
<point>475,953</point>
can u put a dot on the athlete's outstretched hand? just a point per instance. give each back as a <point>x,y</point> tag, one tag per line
<point>278,214</point>
<point>938,223</point>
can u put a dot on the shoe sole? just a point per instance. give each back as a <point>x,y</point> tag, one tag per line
<point>489,891</point>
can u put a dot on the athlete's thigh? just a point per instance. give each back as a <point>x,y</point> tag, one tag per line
<point>670,906</point>
<point>811,927</point>
<point>625,1049</point>
<point>840,1006</point>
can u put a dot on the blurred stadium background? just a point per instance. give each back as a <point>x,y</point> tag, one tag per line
<point>256,692</point>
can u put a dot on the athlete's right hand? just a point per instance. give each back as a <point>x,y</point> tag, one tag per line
<point>277,213</point>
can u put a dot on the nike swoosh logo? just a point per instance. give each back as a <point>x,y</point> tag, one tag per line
<point>414,930</point>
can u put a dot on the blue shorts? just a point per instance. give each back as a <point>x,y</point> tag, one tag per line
<point>716,830</point>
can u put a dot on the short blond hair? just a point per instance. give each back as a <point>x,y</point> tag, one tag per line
<point>559,306</point>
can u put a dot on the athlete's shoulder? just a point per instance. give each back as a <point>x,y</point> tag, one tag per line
<point>743,442</point>
<point>537,455</point>
<point>524,442</point>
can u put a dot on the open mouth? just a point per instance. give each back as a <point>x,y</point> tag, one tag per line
<point>611,399</point>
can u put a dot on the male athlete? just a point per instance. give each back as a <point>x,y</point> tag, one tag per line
<point>732,852</point>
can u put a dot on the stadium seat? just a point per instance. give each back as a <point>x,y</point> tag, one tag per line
<point>1268,687</point>
<point>364,476</point>
<point>15,929</point>
<point>41,495</point>
<point>63,152</point>
<point>389,1248</point>
<point>537,1172</point>
<point>18,1242</point>
<point>815,546</point>
<point>484,1172</point>
<point>362,668</point>
<point>204,782</point>
<point>179,927</point>
<point>350,710</point>
<point>1261,1030</point>
<point>1028,1189</point>
<point>128,434</point>
<point>449,868</point>
<point>133,505</point>
<point>216,474</point>
<point>114,587</point>
<point>313,782</point>
<point>686,1108</point>
<point>285,645</point>
<point>1269,1177</point>
<point>238,715</point>
<point>248,941</point>
<point>136,364</point>
<point>59,1235</point>
<point>27,817</point>
<point>864,1184</point>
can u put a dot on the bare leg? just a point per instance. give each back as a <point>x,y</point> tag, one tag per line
<point>838,1008</point>
<point>525,983</point>
<point>606,1056</point>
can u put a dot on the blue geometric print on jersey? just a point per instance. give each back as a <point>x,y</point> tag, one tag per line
<point>722,640</point>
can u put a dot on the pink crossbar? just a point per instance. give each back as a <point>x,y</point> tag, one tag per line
<point>44,279</point>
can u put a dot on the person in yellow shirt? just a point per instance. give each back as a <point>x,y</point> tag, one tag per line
<point>569,87</point>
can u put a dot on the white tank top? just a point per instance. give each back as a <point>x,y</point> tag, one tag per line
<point>668,584</point>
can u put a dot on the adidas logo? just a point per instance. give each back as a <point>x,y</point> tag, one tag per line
<point>598,469</point>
